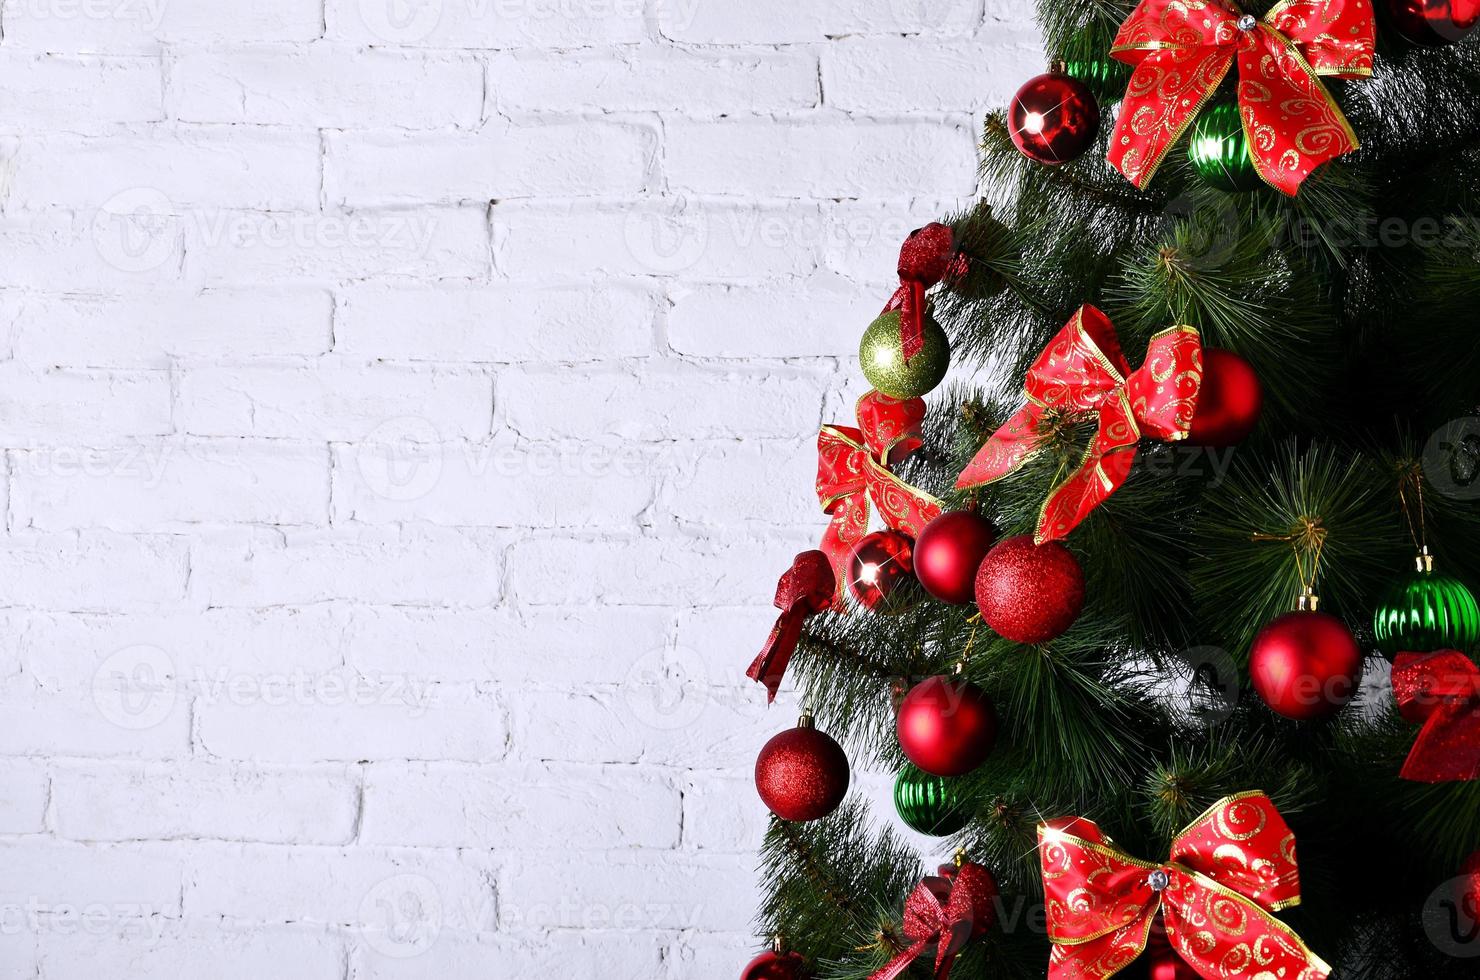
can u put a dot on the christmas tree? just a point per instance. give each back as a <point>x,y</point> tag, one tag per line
<point>1145,557</point>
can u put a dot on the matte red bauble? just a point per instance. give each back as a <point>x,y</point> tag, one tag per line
<point>1305,665</point>
<point>1434,23</point>
<point>947,726</point>
<point>1053,118</point>
<point>802,774</point>
<point>881,562</point>
<point>949,551</point>
<point>1027,592</point>
<point>775,966</point>
<point>1229,402</point>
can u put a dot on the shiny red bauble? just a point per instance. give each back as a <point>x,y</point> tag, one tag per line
<point>1305,665</point>
<point>1467,890</point>
<point>1229,401</point>
<point>802,774</point>
<point>1434,23</point>
<point>1027,592</point>
<point>881,562</point>
<point>947,726</point>
<point>1053,118</point>
<point>949,551</point>
<point>775,966</point>
<point>1160,961</point>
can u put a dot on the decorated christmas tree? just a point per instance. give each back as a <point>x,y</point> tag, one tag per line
<point>1144,560</point>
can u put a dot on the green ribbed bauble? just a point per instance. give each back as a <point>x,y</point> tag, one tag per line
<point>1086,57</point>
<point>1427,611</point>
<point>882,358</point>
<point>1219,150</point>
<point>928,804</point>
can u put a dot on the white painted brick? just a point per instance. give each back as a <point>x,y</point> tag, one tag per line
<point>23,795</point>
<point>125,25</point>
<point>710,494</point>
<point>489,23</point>
<point>216,167</point>
<point>80,407</point>
<point>136,243</point>
<point>42,92</point>
<point>94,571</point>
<point>194,950</point>
<point>703,241</point>
<point>147,330</point>
<point>345,887</point>
<point>862,75</point>
<point>821,158</point>
<point>409,565</point>
<point>326,86</point>
<point>599,646</point>
<point>18,956</point>
<point>656,80</point>
<point>132,881</point>
<point>712,820</point>
<point>709,954</point>
<point>557,158</point>
<point>630,891</point>
<point>457,322</point>
<point>820,317</point>
<point>128,715</point>
<point>655,403</point>
<point>158,485</point>
<point>172,802</point>
<point>228,248</point>
<point>778,21</point>
<point>330,400</point>
<point>609,954</point>
<point>862,239</point>
<point>519,807</point>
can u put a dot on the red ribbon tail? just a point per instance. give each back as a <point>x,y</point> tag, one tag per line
<point>912,321</point>
<point>770,666</point>
<point>901,962</point>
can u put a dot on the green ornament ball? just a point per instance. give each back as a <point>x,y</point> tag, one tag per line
<point>1219,150</point>
<point>928,804</point>
<point>883,362</point>
<point>1086,57</point>
<point>1427,611</point>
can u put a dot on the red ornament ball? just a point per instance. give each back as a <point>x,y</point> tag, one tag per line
<point>946,726</point>
<point>1467,890</point>
<point>1305,665</point>
<point>1229,402</point>
<point>1160,961</point>
<point>775,966</point>
<point>949,551</point>
<point>1027,592</point>
<point>881,562</point>
<point>802,774</point>
<point>1434,23</point>
<point>1053,119</point>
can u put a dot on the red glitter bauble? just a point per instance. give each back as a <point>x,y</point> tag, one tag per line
<point>802,774</point>
<point>1029,592</point>
<point>1229,401</point>
<point>1305,665</point>
<point>1053,118</point>
<point>880,563</point>
<point>948,553</point>
<point>947,726</point>
<point>1467,891</point>
<point>775,966</point>
<point>1433,23</point>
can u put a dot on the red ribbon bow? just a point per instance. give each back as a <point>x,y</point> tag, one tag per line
<point>927,257</point>
<point>1182,51</point>
<point>1083,370</point>
<point>804,589</point>
<point>947,911</point>
<point>1228,871</point>
<point>853,467</point>
<point>1441,692</point>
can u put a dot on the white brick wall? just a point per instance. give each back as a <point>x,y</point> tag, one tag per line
<point>407,407</point>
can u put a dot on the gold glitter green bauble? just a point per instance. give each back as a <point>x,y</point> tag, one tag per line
<point>928,804</point>
<point>1427,611</point>
<point>883,361</point>
<point>1219,150</point>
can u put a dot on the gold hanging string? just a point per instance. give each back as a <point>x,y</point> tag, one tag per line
<point>1412,480</point>
<point>1307,540</point>
<point>966,653</point>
